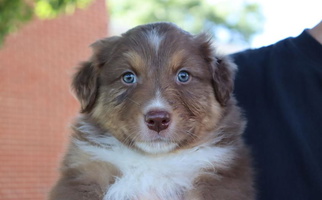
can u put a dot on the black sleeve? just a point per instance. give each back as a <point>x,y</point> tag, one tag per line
<point>279,87</point>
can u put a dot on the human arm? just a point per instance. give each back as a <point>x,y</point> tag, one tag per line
<point>316,32</point>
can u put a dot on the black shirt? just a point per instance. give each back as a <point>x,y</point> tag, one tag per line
<point>279,88</point>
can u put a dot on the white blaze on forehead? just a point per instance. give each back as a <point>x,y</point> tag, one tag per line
<point>155,39</point>
<point>158,103</point>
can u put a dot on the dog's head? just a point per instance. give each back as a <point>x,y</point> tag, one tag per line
<point>156,88</point>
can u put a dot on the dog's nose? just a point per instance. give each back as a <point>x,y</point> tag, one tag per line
<point>157,120</point>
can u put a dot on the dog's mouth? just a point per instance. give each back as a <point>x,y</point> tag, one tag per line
<point>156,146</point>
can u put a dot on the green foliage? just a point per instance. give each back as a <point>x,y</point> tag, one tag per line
<point>14,13</point>
<point>52,8</point>
<point>239,19</point>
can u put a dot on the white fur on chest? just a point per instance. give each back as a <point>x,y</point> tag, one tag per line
<point>155,177</point>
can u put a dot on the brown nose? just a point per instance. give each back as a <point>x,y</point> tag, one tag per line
<point>157,120</point>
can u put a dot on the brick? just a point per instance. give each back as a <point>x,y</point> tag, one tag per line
<point>36,106</point>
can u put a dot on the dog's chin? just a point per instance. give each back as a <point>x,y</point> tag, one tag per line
<point>156,147</point>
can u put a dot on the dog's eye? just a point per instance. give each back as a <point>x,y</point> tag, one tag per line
<point>129,78</point>
<point>183,76</point>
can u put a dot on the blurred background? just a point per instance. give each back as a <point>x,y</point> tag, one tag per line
<point>41,42</point>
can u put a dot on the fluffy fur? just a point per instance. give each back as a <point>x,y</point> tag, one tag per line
<point>196,154</point>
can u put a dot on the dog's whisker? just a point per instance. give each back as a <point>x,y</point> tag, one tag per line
<point>129,140</point>
<point>133,101</point>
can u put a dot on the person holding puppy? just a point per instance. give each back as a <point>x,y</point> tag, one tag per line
<point>280,89</point>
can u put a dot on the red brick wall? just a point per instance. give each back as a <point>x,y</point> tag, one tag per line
<point>36,105</point>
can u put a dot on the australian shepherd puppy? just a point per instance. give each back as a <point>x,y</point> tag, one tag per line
<point>158,122</point>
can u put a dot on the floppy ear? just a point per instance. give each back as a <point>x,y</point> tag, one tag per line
<point>223,79</point>
<point>223,70</point>
<point>85,82</point>
<point>85,85</point>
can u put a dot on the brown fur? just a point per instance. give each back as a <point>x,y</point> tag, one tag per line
<point>203,109</point>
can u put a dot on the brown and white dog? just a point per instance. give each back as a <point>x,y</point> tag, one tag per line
<point>158,122</point>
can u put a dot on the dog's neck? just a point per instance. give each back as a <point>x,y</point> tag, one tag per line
<point>172,173</point>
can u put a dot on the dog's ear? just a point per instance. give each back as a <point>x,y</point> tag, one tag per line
<point>223,79</point>
<point>222,69</point>
<point>86,81</point>
<point>85,85</point>
<point>103,50</point>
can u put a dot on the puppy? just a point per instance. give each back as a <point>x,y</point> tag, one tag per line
<point>158,122</point>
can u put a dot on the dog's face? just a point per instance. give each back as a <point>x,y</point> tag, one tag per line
<point>156,88</point>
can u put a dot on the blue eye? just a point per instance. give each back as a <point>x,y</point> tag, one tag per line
<point>129,78</point>
<point>183,76</point>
